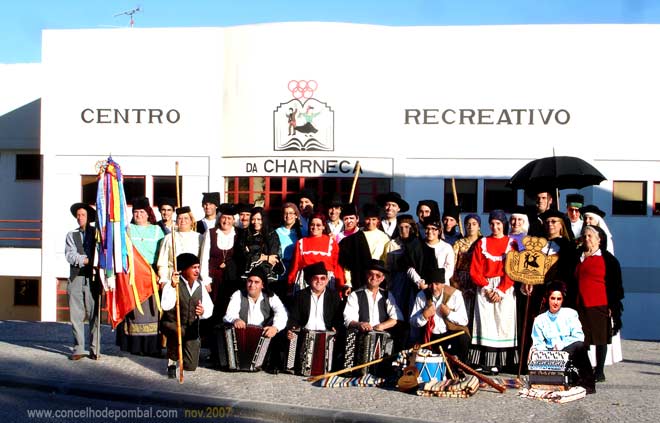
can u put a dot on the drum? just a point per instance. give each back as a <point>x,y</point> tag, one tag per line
<point>310,352</point>
<point>431,367</point>
<point>246,348</point>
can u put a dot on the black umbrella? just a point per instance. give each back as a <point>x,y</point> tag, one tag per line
<point>556,172</point>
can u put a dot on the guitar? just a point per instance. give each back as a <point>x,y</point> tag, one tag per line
<point>408,381</point>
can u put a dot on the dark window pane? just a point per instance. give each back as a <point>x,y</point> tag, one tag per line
<point>466,191</point>
<point>656,198</point>
<point>244,184</point>
<point>89,186</point>
<point>629,198</point>
<point>28,167</point>
<point>498,196</point>
<point>134,186</point>
<point>275,184</point>
<point>165,186</point>
<point>231,184</point>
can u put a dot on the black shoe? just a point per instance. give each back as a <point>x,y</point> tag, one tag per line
<point>590,389</point>
<point>600,377</point>
<point>93,356</point>
<point>171,372</point>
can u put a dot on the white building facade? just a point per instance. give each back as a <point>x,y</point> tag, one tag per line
<point>415,106</point>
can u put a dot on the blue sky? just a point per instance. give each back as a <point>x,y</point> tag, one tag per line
<point>21,21</point>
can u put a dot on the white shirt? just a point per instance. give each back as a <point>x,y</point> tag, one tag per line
<point>352,310</point>
<point>168,297</point>
<point>458,314</point>
<point>388,226</point>
<point>316,321</point>
<point>255,317</point>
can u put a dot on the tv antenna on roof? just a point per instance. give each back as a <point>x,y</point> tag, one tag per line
<point>130,13</point>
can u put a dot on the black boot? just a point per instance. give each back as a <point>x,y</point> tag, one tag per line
<point>601,354</point>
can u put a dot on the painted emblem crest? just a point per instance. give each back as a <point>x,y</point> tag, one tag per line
<point>303,123</point>
<point>530,266</point>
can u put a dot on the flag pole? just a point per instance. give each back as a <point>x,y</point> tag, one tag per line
<point>178,308</point>
<point>355,179</point>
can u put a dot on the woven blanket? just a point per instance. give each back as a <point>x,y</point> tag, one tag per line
<point>559,397</point>
<point>508,382</point>
<point>463,388</point>
<point>345,382</point>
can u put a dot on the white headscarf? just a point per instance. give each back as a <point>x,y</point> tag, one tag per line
<point>600,222</point>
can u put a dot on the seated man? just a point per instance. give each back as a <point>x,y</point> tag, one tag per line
<point>194,304</point>
<point>370,308</point>
<point>255,305</point>
<point>559,329</point>
<point>316,308</point>
<point>439,311</point>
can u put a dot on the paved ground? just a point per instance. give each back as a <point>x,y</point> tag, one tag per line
<point>35,357</point>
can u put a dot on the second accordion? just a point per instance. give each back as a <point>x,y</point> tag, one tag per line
<point>310,352</point>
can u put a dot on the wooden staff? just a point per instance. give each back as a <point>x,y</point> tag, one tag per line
<point>453,189</point>
<point>444,357</point>
<point>355,179</point>
<point>524,335</point>
<point>178,308</point>
<point>378,360</point>
<point>470,370</point>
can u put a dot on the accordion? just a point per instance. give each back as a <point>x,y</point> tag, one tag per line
<point>246,348</point>
<point>310,352</point>
<point>363,347</point>
<point>548,368</point>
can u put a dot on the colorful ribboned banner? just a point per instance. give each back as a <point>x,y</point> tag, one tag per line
<point>128,279</point>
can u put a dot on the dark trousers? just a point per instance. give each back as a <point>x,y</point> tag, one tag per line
<point>578,353</point>
<point>458,346</point>
<point>191,345</point>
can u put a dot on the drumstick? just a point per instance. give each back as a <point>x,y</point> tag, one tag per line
<point>360,366</point>
<point>446,363</point>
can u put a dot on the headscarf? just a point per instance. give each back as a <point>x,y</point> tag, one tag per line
<point>501,216</point>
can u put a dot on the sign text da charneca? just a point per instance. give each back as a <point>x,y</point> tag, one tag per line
<point>303,166</point>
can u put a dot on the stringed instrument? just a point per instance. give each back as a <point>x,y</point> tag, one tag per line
<point>409,380</point>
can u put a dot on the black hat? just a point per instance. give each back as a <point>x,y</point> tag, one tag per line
<point>452,211</point>
<point>335,201</point>
<point>574,200</point>
<point>432,204</point>
<point>317,268</point>
<point>91,213</point>
<point>436,275</point>
<point>403,217</point>
<point>167,201</point>
<point>182,210</point>
<point>211,197</point>
<point>307,193</point>
<point>375,264</point>
<point>551,213</point>
<point>521,210</point>
<point>259,272</point>
<point>432,221</point>
<point>226,208</point>
<point>592,209</point>
<point>185,260</point>
<point>371,210</point>
<point>242,208</point>
<point>349,209</point>
<point>140,203</point>
<point>393,197</point>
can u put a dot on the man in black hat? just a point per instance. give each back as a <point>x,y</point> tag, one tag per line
<point>210,204</point>
<point>439,311</point>
<point>393,204</point>
<point>244,212</point>
<point>315,307</point>
<point>451,231</point>
<point>194,304</point>
<point>426,209</point>
<point>166,208</point>
<point>306,202</point>
<point>573,204</point>
<point>83,291</point>
<point>357,250</point>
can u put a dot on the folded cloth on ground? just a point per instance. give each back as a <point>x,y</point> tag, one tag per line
<point>508,382</point>
<point>345,382</point>
<point>559,397</point>
<point>461,388</point>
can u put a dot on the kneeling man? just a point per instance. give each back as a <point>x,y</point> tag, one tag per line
<point>194,304</point>
<point>439,311</point>
<point>559,329</point>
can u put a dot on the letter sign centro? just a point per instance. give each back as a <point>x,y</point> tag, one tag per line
<point>303,123</point>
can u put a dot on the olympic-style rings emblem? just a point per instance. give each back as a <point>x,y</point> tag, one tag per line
<point>302,89</point>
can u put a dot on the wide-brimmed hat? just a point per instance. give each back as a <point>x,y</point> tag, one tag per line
<point>375,264</point>
<point>313,269</point>
<point>393,197</point>
<point>91,213</point>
